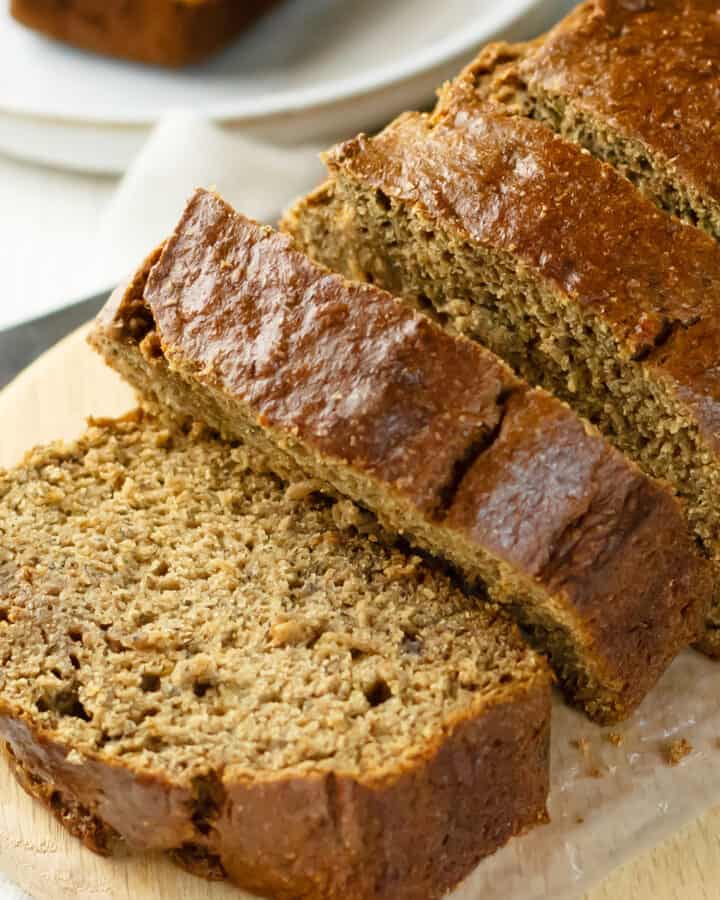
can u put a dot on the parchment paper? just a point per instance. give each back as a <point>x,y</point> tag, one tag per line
<point>610,802</point>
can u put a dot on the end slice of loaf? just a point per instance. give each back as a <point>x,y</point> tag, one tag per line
<point>198,659</point>
<point>519,239</point>
<point>162,32</point>
<point>637,84</point>
<point>432,433</point>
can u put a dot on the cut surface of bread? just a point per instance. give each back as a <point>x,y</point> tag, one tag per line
<point>433,433</point>
<point>197,658</point>
<point>163,32</point>
<point>637,84</point>
<point>523,241</point>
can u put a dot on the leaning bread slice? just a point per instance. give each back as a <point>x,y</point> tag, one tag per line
<point>637,84</point>
<point>197,659</point>
<point>528,244</point>
<point>433,433</point>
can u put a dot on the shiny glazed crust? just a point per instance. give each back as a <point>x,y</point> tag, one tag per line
<point>635,83</point>
<point>163,32</point>
<point>649,68</point>
<point>573,226</point>
<point>411,836</point>
<point>248,328</point>
<point>509,184</point>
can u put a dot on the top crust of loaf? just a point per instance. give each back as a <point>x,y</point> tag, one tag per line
<point>651,69</point>
<point>342,363</point>
<point>250,330</point>
<point>508,183</point>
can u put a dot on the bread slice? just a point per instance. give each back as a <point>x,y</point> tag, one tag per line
<point>432,433</point>
<point>199,659</point>
<point>163,32</point>
<point>637,84</point>
<point>521,240</point>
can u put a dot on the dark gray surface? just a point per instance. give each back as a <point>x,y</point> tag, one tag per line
<point>20,345</point>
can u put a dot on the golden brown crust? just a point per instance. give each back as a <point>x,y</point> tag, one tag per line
<point>95,799</point>
<point>709,644</point>
<point>650,69</point>
<point>342,365</point>
<point>511,185</point>
<point>609,545</point>
<point>77,819</point>
<point>250,328</point>
<point>409,837</point>
<point>163,32</point>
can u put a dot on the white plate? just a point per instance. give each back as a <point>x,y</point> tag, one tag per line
<point>311,69</point>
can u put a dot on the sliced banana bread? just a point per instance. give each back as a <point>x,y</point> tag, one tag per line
<point>636,83</point>
<point>164,32</point>
<point>198,659</point>
<point>522,240</point>
<point>431,432</point>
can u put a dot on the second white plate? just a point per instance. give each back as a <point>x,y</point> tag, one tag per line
<point>313,69</point>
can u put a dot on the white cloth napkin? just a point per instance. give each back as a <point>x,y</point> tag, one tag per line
<point>8,891</point>
<point>186,151</point>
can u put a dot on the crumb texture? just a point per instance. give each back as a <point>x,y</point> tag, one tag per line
<point>469,216</point>
<point>431,432</point>
<point>676,751</point>
<point>617,79</point>
<point>170,615</point>
<point>176,575</point>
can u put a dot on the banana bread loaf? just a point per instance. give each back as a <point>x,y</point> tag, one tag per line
<point>432,433</point>
<point>198,659</point>
<point>636,83</point>
<point>164,32</point>
<point>522,240</point>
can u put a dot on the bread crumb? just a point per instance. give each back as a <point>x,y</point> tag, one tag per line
<point>676,751</point>
<point>583,745</point>
<point>617,740</point>
<point>293,631</point>
<point>347,514</point>
<point>300,490</point>
<point>579,820</point>
<point>198,668</point>
<point>403,570</point>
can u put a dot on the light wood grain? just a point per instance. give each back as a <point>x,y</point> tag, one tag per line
<point>52,400</point>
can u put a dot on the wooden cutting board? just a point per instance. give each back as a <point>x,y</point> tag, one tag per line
<point>51,400</point>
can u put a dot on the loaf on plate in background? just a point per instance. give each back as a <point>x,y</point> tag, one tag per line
<point>164,32</point>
